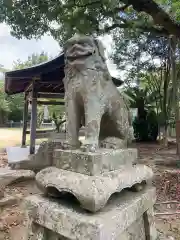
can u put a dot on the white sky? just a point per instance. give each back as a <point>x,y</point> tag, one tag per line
<point>12,49</point>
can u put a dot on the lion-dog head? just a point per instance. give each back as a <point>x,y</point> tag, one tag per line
<point>84,51</point>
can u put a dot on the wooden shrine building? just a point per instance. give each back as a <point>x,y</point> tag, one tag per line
<point>41,81</point>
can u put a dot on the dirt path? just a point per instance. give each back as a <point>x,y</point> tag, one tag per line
<point>166,180</point>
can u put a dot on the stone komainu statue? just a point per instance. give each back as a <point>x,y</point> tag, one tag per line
<point>90,95</point>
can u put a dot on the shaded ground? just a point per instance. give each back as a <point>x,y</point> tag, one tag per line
<point>166,180</point>
<point>12,218</point>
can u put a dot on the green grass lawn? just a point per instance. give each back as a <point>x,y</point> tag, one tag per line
<point>12,137</point>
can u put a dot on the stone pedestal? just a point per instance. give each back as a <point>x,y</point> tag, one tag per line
<point>127,216</point>
<point>93,177</point>
<point>94,163</point>
<point>103,184</point>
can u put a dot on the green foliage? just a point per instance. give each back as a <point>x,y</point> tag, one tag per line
<point>16,102</point>
<point>146,123</point>
<point>140,127</point>
<point>172,6</point>
<point>40,115</point>
<point>140,98</point>
<point>4,105</point>
<point>146,128</point>
<point>153,125</point>
<point>63,18</point>
<point>138,53</point>
<point>32,60</point>
<point>16,105</point>
<point>12,106</point>
<point>2,69</point>
<point>148,63</point>
<point>57,114</point>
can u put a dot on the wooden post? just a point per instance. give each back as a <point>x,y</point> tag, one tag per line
<point>33,119</point>
<point>25,119</point>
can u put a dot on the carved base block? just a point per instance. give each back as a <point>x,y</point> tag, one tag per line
<point>113,143</point>
<point>127,216</point>
<point>92,192</point>
<point>96,163</point>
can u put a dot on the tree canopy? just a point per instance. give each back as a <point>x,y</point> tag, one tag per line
<point>32,60</point>
<point>63,18</point>
<point>11,107</point>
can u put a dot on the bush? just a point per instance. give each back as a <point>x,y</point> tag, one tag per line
<point>152,125</point>
<point>146,129</point>
<point>16,115</point>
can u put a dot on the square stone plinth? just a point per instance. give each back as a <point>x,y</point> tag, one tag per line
<point>103,160</point>
<point>127,216</point>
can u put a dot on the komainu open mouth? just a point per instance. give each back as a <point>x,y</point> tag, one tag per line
<point>78,56</point>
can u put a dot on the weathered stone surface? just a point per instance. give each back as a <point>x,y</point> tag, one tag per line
<point>113,143</point>
<point>8,200</point>
<point>43,158</point>
<point>121,219</point>
<point>149,224</point>
<point>2,187</point>
<point>136,230</point>
<point>92,192</point>
<point>1,193</point>
<point>8,176</point>
<point>103,160</point>
<point>91,98</point>
<point>38,232</point>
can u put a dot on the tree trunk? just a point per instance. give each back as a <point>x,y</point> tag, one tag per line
<point>165,136</point>
<point>164,109</point>
<point>175,86</point>
<point>159,129</point>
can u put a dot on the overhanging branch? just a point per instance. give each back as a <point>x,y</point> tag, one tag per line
<point>142,28</point>
<point>87,4</point>
<point>159,16</point>
<point>122,8</point>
